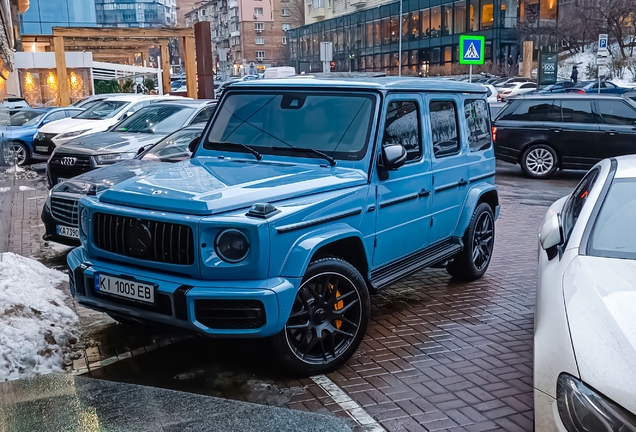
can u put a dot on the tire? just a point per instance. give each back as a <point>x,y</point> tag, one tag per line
<point>333,301</point>
<point>539,161</point>
<point>479,240</point>
<point>21,151</point>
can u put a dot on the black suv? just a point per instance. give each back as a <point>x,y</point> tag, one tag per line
<point>543,133</point>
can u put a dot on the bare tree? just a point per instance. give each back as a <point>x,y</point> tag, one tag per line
<point>614,17</point>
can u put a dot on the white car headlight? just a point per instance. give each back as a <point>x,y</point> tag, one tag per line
<point>71,134</point>
<point>113,158</point>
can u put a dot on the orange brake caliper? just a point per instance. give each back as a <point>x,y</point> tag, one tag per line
<point>337,307</point>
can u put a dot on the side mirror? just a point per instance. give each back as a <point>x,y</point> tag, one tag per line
<point>551,234</point>
<point>393,157</point>
<point>193,145</point>
<point>141,150</point>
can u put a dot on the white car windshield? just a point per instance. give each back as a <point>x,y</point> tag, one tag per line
<point>102,110</point>
<point>614,235</point>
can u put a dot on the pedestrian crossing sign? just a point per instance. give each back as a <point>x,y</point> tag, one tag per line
<point>471,49</point>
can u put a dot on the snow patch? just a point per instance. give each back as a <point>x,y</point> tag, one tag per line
<point>26,188</point>
<point>5,189</point>
<point>36,327</point>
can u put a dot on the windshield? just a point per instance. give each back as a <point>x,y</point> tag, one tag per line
<point>614,235</point>
<point>337,124</point>
<point>26,118</point>
<point>173,148</point>
<point>102,110</point>
<point>156,120</point>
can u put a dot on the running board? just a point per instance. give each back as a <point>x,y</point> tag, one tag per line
<point>389,273</point>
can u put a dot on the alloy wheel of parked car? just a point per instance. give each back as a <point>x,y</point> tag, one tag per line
<point>479,240</point>
<point>328,318</point>
<point>539,161</point>
<point>19,152</point>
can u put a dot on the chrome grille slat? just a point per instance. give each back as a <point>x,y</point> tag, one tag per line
<point>65,210</point>
<point>112,234</point>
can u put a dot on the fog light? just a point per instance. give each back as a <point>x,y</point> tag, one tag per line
<point>231,246</point>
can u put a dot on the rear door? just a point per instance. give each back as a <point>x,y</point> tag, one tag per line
<point>618,126</point>
<point>581,140</point>
<point>520,124</point>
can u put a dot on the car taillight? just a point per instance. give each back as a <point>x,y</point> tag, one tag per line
<point>580,91</point>
<point>494,134</point>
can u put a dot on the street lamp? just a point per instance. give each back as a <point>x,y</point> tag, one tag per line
<point>400,42</point>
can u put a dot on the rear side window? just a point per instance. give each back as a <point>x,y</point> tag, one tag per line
<point>403,127</point>
<point>616,112</point>
<point>203,116</point>
<point>444,129</point>
<point>529,110</point>
<point>577,111</point>
<point>574,204</point>
<point>478,120</point>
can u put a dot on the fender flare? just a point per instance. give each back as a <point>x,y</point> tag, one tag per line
<point>299,257</point>
<point>473,197</point>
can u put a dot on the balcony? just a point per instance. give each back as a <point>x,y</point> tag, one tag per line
<point>357,3</point>
<point>317,12</point>
<point>232,4</point>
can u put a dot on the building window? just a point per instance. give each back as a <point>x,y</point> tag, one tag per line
<point>259,26</point>
<point>258,11</point>
<point>260,55</point>
<point>284,40</point>
<point>286,26</point>
<point>286,13</point>
<point>260,40</point>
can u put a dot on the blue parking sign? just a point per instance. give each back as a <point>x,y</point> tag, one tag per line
<point>471,50</point>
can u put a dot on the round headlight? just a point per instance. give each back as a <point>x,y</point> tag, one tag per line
<point>84,220</point>
<point>231,246</point>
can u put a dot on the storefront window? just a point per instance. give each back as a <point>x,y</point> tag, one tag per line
<point>460,17</point>
<point>436,21</point>
<point>394,29</point>
<point>447,13</point>
<point>474,15</point>
<point>487,14</point>
<point>369,35</point>
<point>435,56</point>
<point>386,60</point>
<point>425,18</point>
<point>413,57</point>
<point>548,10</point>
<point>386,31</point>
<point>377,62</point>
<point>415,26</point>
<point>405,27</point>
<point>448,54</point>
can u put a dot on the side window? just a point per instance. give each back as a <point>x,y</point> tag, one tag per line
<point>609,85</point>
<point>444,129</point>
<point>403,127</point>
<point>617,112</point>
<point>574,204</point>
<point>529,85</point>
<point>530,110</point>
<point>57,115</point>
<point>478,120</point>
<point>203,116</point>
<point>577,111</point>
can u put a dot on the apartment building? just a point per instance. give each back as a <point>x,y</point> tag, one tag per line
<point>136,13</point>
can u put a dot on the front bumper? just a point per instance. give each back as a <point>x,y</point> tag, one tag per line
<point>177,298</point>
<point>546,413</point>
<point>51,229</point>
<point>40,157</point>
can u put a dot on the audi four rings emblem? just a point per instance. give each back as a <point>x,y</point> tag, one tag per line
<point>68,161</point>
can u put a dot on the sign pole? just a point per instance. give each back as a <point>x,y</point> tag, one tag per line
<point>400,43</point>
<point>470,74</point>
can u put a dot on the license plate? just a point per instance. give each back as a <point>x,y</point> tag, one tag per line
<point>42,149</point>
<point>67,231</point>
<point>61,180</point>
<point>126,288</point>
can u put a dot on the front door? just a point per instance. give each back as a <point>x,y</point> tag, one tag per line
<point>579,139</point>
<point>450,165</point>
<point>618,127</point>
<point>403,197</point>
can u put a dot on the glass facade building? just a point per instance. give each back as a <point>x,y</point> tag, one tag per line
<point>367,40</point>
<point>43,15</point>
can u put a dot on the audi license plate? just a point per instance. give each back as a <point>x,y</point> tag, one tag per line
<point>126,288</point>
<point>67,231</point>
<point>42,149</point>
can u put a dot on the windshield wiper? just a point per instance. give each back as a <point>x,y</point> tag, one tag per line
<point>332,161</point>
<point>256,154</point>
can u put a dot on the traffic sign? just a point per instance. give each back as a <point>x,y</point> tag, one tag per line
<point>472,50</point>
<point>602,45</point>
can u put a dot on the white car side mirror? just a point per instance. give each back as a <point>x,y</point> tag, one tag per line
<point>551,234</point>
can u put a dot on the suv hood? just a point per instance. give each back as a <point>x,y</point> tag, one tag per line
<point>600,294</point>
<point>108,142</point>
<point>205,186</point>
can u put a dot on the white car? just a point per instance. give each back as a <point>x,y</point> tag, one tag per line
<point>585,320</point>
<point>491,94</point>
<point>515,89</point>
<point>97,118</point>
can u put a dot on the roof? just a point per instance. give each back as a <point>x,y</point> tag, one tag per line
<point>626,167</point>
<point>568,96</point>
<point>190,102</point>
<point>384,83</point>
<point>136,96</point>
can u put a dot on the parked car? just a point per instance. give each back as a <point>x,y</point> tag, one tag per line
<point>290,213</point>
<point>543,133</point>
<point>592,87</point>
<point>515,89</point>
<point>514,80</point>
<point>491,93</point>
<point>97,118</point>
<point>123,141</point>
<point>13,104</point>
<point>558,87</point>
<point>59,213</point>
<point>25,123</point>
<point>584,328</point>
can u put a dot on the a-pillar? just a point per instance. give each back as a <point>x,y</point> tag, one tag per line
<point>60,69</point>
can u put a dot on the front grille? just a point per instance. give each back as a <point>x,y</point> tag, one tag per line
<point>68,166</point>
<point>144,239</point>
<point>65,210</point>
<point>230,314</point>
<point>43,140</point>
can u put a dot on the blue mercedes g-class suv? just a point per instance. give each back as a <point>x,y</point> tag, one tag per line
<point>302,197</point>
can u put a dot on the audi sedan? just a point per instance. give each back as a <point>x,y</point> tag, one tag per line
<point>585,325</point>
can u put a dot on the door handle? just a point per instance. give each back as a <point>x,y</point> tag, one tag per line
<point>423,193</point>
<point>462,182</point>
<point>611,132</point>
<point>556,130</point>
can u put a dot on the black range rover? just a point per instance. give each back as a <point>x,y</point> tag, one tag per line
<point>543,133</point>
